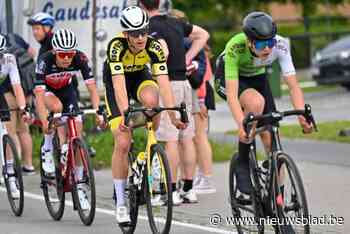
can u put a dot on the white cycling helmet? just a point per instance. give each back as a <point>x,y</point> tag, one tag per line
<point>133,18</point>
<point>64,39</point>
<point>2,43</point>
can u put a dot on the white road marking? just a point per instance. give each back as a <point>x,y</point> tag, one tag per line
<point>111,212</point>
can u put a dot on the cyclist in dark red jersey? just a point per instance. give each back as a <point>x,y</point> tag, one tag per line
<point>54,90</point>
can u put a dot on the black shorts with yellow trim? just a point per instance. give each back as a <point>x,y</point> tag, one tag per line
<point>135,82</point>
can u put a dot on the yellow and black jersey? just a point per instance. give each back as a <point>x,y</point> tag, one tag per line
<point>120,59</point>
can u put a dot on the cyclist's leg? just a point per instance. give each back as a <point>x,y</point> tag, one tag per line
<point>68,97</point>
<point>270,106</point>
<point>147,92</point>
<point>53,104</point>
<point>251,101</point>
<point>122,142</point>
<point>22,134</point>
<point>5,117</point>
<point>11,125</point>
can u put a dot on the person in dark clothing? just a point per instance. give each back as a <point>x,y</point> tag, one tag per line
<point>171,32</point>
<point>42,27</point>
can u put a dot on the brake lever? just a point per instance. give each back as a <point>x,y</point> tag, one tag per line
<point>309,117</point>
<point>247,123</point>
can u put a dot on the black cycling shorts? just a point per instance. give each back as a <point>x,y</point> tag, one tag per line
<point>4,115</point>
<point>261,84</point>
<point>67,96</point>
<point>133,82</point>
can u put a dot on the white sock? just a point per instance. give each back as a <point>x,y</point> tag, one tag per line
<point>79,171</point>
<point>48,142</point>
<point>9,168</point>
<point>119,186</point>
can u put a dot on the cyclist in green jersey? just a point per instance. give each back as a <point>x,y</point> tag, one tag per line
<point>243,67</point>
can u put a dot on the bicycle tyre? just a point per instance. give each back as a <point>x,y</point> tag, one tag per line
<point>233,190</point>
<point>132,195</point>
<point>87,217</point>
<point>165,172</point>
<point>17,209</point>
<point>284,159</point>
<point>256,193</point>
<point>55,212</point>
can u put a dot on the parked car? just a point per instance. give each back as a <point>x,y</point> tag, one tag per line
<point>331,65</point>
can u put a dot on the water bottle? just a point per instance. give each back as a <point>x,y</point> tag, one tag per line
<point>64,154</point>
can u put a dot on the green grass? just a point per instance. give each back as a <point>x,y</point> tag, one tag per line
<point>327,131</point>
<point>316,89</point>
<point>222,152</point>
<point>103,144</point>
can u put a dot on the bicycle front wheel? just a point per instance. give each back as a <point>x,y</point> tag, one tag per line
<point>13,179</point>
<point>84,193</point>
<point>289,199</point>
<point>52,185</point>
<point>158,192</point>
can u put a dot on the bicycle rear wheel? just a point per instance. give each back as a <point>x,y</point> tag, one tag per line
<point>158,192</point>
<point>291,202</point>
<point>16,201</point>
<point>52,185</point>
<point>84,188</point>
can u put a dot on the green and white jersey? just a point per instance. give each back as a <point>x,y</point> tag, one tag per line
<point>239,60</point>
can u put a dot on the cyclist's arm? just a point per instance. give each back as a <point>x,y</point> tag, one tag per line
<point>19,94</point>
<point>296,94</point>
<point>11,65</point>
<point>90,82</point>
<point>94,97</point>
<point>232,82</point>
<point>199,38</point>
<point>289,74</point>
<point>233,101</point>
<point>115,50</point>
<point>120,92</point>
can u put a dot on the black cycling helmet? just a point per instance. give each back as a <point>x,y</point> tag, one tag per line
<point>258,25</point>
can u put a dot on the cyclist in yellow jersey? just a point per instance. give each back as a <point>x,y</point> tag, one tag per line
<point>126,75</point>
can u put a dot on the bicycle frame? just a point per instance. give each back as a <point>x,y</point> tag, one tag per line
<point>69,173</point>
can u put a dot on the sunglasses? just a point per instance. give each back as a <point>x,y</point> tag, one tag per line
<point>262,44</point>
<point>66,54</point>
<point>141,32</point>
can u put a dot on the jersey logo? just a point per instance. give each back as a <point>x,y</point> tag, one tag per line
<point>157,49</point>
<point>116,49</point>
<point>236,49</point>
<point>40,67</point>
<point>58,80</point>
